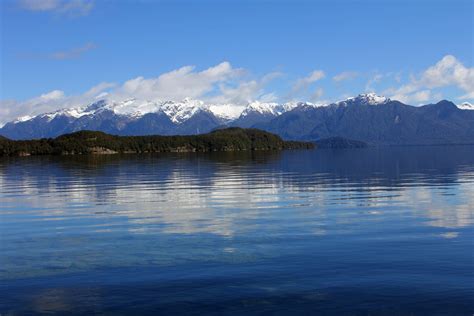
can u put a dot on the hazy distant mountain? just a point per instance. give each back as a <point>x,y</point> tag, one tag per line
<point>367,117</point>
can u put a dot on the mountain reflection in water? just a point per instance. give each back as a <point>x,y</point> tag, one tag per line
<point>359,231</point>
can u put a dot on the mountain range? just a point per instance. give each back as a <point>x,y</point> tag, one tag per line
<point>370,118</point>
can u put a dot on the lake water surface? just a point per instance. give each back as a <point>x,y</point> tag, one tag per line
<point>378,231</point>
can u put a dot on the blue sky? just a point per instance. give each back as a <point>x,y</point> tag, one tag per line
<point>418,51</point>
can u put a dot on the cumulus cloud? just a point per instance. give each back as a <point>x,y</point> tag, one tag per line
<point>303,83</point>
<point>346,75</point>
<point>221,84</point>
<point>50,101</point>
<point>246,91</point>
<point>225,84</point>
<point>180,83</point>
<point>418,97</point>
<point>448,72</point>
<point>72,7</point>
<point>11,109</point>
<point>51,96</point>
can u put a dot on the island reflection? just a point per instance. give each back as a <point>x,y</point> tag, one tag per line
<point>231,195</point>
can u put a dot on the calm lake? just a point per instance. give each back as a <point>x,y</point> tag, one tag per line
<point>378,231</point>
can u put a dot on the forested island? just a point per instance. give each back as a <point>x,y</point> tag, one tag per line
<point>93,142</point>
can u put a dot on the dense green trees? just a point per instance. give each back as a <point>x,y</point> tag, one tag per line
<point>90,142</point>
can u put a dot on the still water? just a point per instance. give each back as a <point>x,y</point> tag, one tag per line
<point>387,231</point>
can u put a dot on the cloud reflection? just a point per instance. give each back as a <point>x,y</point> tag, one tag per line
<point>92,207</point>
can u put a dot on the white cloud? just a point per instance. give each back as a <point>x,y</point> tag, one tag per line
<point>48,102</point>
<point>243,93</point>
<point>419,97</point>
<point>224,84</point>
<point>246,91</point>
<point>72,7</point>
<point>99,89</point>
<point>469,95</point>
<point>316,96</point>
<point>53,95</point>
<point>346,75</point>
<point>448,72</point>
<point>221,84</point>
<point>11,109</point>
<point>369,86</point>
<point>303,83</point>
<point>179,84</point>
<point>72,53</point>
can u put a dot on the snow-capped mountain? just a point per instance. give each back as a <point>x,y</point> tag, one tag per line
<point>69,112</point>
<point>466,106</point>
<point>178,112</point>
<point>364,99</point>
<point>258,112</point>
<point>366,117</point>
<point>181,111</point>
<point>378,121</point>
<point>273,109</point>
<point>133,116</point>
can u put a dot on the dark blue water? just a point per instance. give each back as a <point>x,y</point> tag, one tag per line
<point>386,231</point>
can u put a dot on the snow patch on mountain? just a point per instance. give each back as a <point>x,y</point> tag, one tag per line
<point>227,112</point>
<point>178,112</point>
<point>181,111</point>
<point>466,106</point>
<point>365,99</point>
<point>23,119</point>
<point>133,107</point>
<point>268,108</point>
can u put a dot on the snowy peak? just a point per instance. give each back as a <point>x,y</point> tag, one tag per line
<point>266,108</point>
<point>22,119</point>
<point>132,107</point>
<point>95,106</point>
<point>226,112</point>
<point>178,112</point>
<point>372,99</point>
<point>181,111</point>
<point>73,113</point>
<point>365,99</point>
<point>260,107</point>
<point>185,117</point>
<point>466,106</point>
<point>304,105</point>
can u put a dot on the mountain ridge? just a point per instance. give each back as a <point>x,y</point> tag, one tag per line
<point>370,118</point>
<point>394,123</point>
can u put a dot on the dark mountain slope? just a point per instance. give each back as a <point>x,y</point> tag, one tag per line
<point>392,123</point>
<point>367,117</point>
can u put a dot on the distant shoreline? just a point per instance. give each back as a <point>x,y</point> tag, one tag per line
<point>99,143</point>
